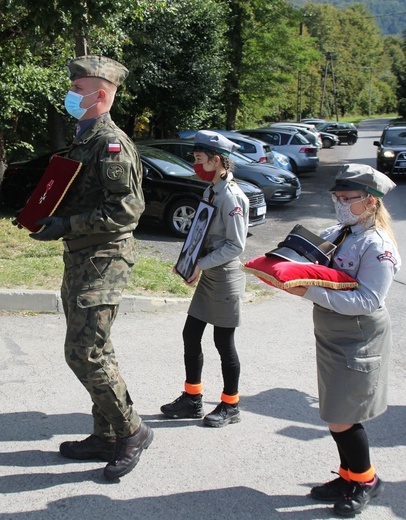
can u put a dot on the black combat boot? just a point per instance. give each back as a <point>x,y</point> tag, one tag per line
<point>128,452</point>
<point>92,447</point>
<point>185,406</point>
<point>358,497</point>
<point>222,415</point>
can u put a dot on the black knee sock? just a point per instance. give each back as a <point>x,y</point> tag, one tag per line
<point>353,448</point>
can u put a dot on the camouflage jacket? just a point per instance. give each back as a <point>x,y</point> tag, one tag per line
<point>106,196</point>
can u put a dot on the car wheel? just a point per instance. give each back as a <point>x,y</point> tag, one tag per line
<point>351,140</point>
<point>327,143</point>
<point>180,215</point>
<point>294,166</point>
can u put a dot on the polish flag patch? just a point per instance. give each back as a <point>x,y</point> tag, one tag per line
<point>114,147</point>
<point>236,211</point>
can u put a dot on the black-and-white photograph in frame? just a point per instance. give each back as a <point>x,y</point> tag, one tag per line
<point>194,241</point>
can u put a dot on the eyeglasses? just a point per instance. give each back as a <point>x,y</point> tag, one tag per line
<point>346,200</point>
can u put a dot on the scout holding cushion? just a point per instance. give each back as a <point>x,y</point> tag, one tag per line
<point>219,293</point>
<point>353,332</point>
<point>96,220</point>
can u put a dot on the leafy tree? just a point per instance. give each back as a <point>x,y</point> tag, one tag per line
<point>177,62</point>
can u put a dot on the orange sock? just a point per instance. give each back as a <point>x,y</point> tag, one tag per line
<point>193,389</point>
<point>230,399</point>
<point>367,476</point>
<point>344,473</point>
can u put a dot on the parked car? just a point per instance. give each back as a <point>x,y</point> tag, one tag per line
<point>302,154</point>
<point>171,189</point>
<point>329,140</point>
<point>308,131</point>
<point>279,186</point>
<point>346,132</point>
<point>312,121</point>
<point>391,153</point>
<point>253,148</point>
<point>281,160</point>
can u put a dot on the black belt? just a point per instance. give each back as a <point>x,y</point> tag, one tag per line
<point>76,244</point>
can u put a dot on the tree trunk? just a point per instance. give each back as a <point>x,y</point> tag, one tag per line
<point>232,93</point>
<point>3,164</point>
<point>56,128</point>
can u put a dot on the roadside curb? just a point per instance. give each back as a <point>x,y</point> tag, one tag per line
<point>50,301</point>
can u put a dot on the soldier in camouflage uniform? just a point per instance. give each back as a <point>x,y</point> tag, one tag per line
<point>96,220</point>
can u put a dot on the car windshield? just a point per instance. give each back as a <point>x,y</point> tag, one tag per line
<point>166,162</point>
<point>396,137</point>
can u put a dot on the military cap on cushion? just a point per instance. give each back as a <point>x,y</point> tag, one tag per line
<point>96,66</point>
<point>214,142</point>
<point>362,177</point>
<point>304,247</point>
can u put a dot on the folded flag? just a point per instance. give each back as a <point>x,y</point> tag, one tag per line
<point>53,186</point>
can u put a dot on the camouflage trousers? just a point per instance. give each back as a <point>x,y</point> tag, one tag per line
<point>92,287</point>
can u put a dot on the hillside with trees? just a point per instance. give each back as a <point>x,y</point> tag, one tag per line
<point>390,15</point>
<point>263,60</point>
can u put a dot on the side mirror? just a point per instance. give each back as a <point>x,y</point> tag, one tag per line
<point>377,143</point>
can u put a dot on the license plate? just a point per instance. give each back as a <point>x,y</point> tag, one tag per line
<point>298,192</point>
<point>261,210</point>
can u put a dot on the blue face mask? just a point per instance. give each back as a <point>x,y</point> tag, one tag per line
<point>72,104</point>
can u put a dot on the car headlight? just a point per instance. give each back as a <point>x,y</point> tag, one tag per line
<point>389,154</point>
<point>276,180</point>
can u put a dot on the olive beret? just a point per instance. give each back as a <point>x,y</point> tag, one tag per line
<point>96,66</point>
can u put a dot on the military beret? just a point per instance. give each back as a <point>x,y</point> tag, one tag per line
<point>213,142</point>
<point>362,177</point>
<point>96,66</point>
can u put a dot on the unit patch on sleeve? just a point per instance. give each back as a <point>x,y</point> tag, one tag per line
<point>387,255</point>
<point>236,211</point>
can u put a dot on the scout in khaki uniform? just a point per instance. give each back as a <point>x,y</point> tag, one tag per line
<point>96,220</point>
<point>353,333</point>
<point>219,293</point>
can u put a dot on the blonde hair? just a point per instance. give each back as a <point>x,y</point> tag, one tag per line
<point>383,219</point>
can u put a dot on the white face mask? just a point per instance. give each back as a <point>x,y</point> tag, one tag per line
<point>344,214</point>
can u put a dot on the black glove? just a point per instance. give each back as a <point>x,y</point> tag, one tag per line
<point>55,227</point>
<point>15,221</point>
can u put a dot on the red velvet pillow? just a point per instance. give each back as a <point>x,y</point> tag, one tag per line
<point>284,274</point>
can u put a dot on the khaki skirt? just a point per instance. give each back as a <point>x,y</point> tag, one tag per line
<point>352,364</point>
<point>219,295</point>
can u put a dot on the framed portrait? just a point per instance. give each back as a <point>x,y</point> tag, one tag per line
<point>194,241</point>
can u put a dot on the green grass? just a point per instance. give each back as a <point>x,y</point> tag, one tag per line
<point>28,264</point>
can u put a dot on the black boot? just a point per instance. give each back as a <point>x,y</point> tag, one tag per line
<point>358,497</point>
<point>92,447</point>
<point>185,406</point>
<point>128,452</point>
<point>222,415</point>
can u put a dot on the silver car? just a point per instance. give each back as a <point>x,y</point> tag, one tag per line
<point>302,154</point>
<point>255,149</point>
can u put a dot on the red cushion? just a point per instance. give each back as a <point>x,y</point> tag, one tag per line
<point>284,274</point>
